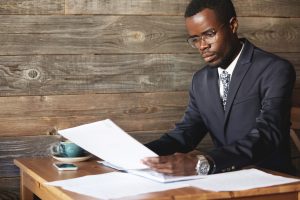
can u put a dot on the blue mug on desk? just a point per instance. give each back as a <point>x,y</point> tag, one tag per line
<point>66,149</point>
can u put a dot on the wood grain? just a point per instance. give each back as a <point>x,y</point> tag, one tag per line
<point>78,74</point>
<point>177,7</point>
<point>10,188</point>
<point>32,7</point>
<point>9,193</point>
<point>263,8</point>
<point>14,147</point>
<point>272,34</point>
<point>30,35</point>
<point>126,7</point>
<point>33,115</point>
<point>267,8</point>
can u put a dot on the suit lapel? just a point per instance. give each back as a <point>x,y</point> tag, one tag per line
<point>239,73</point>
<point>214,92</point>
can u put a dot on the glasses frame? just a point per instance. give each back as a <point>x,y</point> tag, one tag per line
<point>204,37</point>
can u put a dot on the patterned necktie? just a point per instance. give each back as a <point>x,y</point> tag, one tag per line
<point>225,80</point>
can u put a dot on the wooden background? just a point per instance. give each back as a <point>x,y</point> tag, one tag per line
<point>69,62</point>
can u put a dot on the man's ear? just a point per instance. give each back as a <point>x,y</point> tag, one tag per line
<point>234,24</point>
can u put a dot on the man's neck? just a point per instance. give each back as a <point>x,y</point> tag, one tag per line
<point>235,52</point>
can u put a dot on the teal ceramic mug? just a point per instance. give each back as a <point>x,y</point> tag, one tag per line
<point>66,149</point>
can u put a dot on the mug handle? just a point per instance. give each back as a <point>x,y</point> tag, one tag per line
<point>62,150</point>
<point>58,149</point>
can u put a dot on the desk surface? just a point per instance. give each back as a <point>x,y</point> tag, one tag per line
<point>36,171</point>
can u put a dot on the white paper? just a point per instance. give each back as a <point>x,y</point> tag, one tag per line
<point>119,150</point>
<point>117,185</point>
<point>114,185</point>
<point>240,180</point>
<point>107,141</point>
<point>153,175</point>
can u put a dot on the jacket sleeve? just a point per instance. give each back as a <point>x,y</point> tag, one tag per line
<point>186,135</point>
<point>271,130</point>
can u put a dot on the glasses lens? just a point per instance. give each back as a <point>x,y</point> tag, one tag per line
<point>192,41</point>
<point>209,37</point>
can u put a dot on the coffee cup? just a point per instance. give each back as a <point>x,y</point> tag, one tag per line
<point>66,149</point>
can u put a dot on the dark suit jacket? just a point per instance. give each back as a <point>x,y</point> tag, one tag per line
<point>254,129</point>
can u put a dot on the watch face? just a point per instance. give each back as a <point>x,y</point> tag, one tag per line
<point>204,168</point>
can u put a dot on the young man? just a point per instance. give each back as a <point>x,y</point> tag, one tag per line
<point>242,98</point>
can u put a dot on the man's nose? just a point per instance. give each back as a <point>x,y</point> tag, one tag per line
<point>202,44</point>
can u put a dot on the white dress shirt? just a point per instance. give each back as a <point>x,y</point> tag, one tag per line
<point>229,69</point>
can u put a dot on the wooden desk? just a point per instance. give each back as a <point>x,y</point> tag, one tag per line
<point>36,171</point>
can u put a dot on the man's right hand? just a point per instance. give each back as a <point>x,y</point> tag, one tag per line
<point>178,164</point>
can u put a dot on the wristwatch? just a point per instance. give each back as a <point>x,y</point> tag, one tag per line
<point>203,166</point>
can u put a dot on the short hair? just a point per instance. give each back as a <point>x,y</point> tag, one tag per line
<point>224,9</point>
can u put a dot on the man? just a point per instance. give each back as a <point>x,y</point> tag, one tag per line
<point>242,98</point>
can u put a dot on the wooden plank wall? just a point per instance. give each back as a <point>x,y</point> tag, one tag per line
<point>69,62</point>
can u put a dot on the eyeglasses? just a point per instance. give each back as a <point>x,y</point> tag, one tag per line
<point>209,37</point>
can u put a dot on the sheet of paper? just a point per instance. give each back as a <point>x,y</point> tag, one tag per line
<point>163,178</point>
<point>240,180</point>
<point>117,184</point>
<point>114,185</point>
<point>153,175</point>
<point>110,143</point>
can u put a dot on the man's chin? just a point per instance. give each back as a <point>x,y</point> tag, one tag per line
<point>214,64</point>
<point>224,63</point>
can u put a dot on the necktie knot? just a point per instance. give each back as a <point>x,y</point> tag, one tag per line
<point>225,80</point>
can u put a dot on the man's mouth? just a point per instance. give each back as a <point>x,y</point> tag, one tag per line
<point>208,57</point>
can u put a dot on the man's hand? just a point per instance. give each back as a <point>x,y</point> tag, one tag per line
<point>178,164</point>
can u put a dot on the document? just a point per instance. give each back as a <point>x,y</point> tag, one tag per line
<point>240,180</point>
<point>117,184</point>
<point>114,185</point>
<point>107,141</point>
<point>148,173</point>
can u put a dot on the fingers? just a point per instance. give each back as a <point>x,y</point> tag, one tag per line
<point>158,163</point>
<point>178,164</point>
<point>163,164</point>
<point>166,168</point>
<point>156,160</point>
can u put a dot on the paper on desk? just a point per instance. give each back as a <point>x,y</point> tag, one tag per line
<point>153,175</point>
<point>114,185</point>
<point>240,180</point>
<point>110,143</point>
